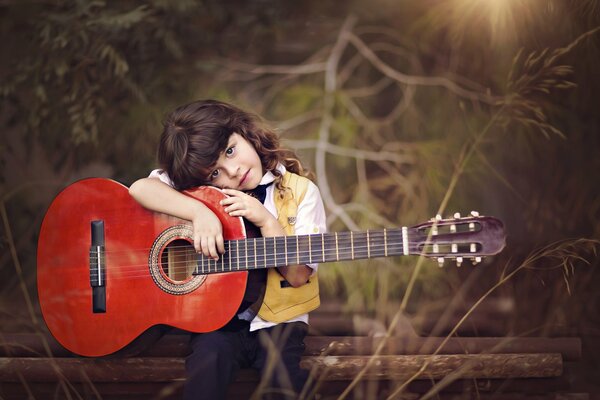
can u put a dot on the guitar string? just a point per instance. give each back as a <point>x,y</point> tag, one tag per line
<point>142,270</point>
<point>261,247</point>
<point>211,265</point>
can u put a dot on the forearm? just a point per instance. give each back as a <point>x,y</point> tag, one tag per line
<point>158,196</point>
<point>296,275</point>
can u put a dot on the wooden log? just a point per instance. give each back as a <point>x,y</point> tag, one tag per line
<point>176,345</point>
<point>164,369</point>
<point>247,381</point>
<point>500,366</point>
<point>569,348</point>
<point>143,391</point>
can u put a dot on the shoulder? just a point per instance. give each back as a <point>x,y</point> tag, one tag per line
<point>162,176</point>
<point>303,189</point>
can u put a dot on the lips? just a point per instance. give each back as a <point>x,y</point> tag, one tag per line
<point>244,178</point>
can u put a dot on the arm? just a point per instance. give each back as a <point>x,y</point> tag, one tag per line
<point>296,275</point>
<point>310,219</point>
<point>240,204</point>
<point>157,196</point>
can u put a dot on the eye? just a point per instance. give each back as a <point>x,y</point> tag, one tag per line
<point>214,175</point>
<point>230,151</point>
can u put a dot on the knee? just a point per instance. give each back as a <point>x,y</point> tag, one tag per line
<point>210,351</point>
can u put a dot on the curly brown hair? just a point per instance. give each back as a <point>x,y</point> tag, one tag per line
<point>195,134</point>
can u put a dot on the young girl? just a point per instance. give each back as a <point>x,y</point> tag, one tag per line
<point>214,143</point>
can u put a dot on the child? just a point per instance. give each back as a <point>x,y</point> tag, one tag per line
<point>214,143</point>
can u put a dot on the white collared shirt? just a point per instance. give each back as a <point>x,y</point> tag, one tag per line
<point>310,219</point>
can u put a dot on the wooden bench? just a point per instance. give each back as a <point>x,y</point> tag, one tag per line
<point>35,365</point>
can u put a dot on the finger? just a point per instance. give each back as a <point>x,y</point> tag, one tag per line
<point>233,207</point>
<point>238,213</point>
<point>197,244</point>
<point>220,244</point>
<point>204,246</point>
<point>227,201</point>
<point>233,192</point>
<point>212,248</point>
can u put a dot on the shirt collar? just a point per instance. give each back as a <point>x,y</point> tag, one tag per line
<point>269,177</point>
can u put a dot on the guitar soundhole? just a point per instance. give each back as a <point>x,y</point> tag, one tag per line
<point>178,260</point>
<point>172,260</point>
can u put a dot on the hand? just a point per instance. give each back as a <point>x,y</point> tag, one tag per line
<point>240,204</point>
<point>208,233</point>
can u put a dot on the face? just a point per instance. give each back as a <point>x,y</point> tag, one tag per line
<point>238,167</point>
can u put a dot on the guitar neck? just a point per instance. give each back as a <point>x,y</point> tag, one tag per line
<point>270,252</point>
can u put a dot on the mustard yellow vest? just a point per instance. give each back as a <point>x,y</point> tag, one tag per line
<point>283,302</point>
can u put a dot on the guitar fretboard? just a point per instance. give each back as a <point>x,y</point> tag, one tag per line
<point>279,251</point>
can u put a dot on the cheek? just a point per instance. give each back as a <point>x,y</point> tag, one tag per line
<point>222,183</point>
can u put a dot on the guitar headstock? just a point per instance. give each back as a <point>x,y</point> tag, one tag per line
<point>458,238</point>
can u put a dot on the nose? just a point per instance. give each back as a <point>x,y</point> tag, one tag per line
<point>232,170</point>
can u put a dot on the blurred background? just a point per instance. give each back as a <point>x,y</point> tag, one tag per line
<point>403,110</point>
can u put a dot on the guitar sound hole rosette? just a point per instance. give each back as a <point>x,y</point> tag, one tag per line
<point>171,249</point>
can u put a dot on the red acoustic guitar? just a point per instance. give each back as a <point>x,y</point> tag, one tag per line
<point>108,269</point>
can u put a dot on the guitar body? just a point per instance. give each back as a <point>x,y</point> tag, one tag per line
<point>138,292</point>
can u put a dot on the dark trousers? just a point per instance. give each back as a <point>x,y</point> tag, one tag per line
<point>275,352</point>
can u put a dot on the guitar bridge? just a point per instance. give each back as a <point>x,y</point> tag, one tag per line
<point>97,268</point>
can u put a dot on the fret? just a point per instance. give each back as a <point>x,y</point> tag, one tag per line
<point>303,247</point>
<point>282,250</point>
<point>368,245</point>
<point>360,245</point>
<point>292,257</point>
<point>329,250</point>
<point>317,247</point>
<point>337,248</point>
<point>265,252</point>
<point>385,242</point>
<point>251,253</point>
<point>285,250</point>
<point>352,243</point>
<point>274,251</point>
<point>269,249</point>
<point>405,240</point>
<point>202,263</point>
<point>309,249</point>
<point>228,253</point>
<point>246,252</point>
<point>281,243</point>
<point>222,262</point>
<point>323,246</point>
<point>237,254</point>
<point>297,252</point>
<point>345,246</point>
<point>377,244</point>
<point>255,260</point>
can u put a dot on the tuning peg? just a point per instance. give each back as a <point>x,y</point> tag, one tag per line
<point>457,215</point>
<point>475,213</point>
<point>459,261</point>
<point>438,217</point>
<point>476,260</point>
<point>440,261</point>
